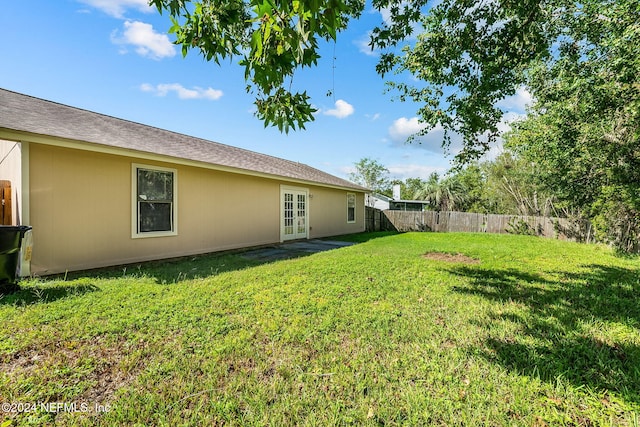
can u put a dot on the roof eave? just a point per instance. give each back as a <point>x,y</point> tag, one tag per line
<point>24,136</point>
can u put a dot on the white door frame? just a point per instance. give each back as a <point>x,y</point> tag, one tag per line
<point>292,224</point>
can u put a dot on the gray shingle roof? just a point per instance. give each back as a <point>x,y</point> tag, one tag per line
<point>38,116</point>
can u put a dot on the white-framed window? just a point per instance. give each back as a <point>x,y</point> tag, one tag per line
<point>154,201</point>
<point>351,207</point>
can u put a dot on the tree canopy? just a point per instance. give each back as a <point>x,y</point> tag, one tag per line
<point>463,56</point>
<point>371,174</point>
<point>580,60</point>
<point>271,38</point>
<point>583,132</point>
<point>445,194</point>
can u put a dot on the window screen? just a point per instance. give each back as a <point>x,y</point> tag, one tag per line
<point>155,200</point>
<point>351,207</point>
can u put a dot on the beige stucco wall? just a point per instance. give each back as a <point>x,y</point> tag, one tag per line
<point>80,206</point>
<point>328,212</point>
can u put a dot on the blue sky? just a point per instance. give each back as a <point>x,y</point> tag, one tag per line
<point>115,57</point>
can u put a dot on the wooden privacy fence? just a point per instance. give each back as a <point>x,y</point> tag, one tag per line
<point>560,228</point>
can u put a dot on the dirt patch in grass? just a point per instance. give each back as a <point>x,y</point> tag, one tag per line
<point>98,366</point>
<point>453,258</point>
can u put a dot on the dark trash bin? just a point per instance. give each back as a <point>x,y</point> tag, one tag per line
<point>10,241</point>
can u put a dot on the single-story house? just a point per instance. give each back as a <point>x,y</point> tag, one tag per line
<point>378,201</point>
<point>408,205</point>
<point>395,203</point>
<point>101,191</point>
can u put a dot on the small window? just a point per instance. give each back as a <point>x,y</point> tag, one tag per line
<point>351,207</point>
<point>154,191</point>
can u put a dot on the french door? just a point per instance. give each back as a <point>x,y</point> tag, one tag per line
<point>293,213</point>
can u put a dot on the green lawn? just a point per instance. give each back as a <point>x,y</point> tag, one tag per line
<point>521,331</point>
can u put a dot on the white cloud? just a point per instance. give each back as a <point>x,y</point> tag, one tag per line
<point>403,128</point>
<point>505,124</point>
<point>404,171</point>
<point>497,147</point>
<point>346,170</point>
<point>342,109</point>
<point>116,8</point>
<point>181,91</point>
<point>385,13</point>
<point>517,102</point>
<point>363,45</point>
<point>147,42</point>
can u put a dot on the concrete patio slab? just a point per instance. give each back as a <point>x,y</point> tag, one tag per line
<point>293,249</point>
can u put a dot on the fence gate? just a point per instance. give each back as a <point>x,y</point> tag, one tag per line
<point>5,198</point>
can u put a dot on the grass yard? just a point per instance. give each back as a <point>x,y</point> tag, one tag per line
<point>484,330</point>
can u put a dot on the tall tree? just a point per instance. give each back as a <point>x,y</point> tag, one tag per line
<point>467,55</point>
<point>446,194</point>
<point>273,39</point>
<point>474,180</point>
<point>512,187</point>
<point>371,174</point>
<point>409,187</point>
<point>583,133</point>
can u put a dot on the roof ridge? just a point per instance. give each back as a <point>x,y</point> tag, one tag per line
<point>97,128</point>
<point>157,128</point>
<point>136,123</point>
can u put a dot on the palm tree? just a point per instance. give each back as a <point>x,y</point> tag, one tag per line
<point>442,194</point>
